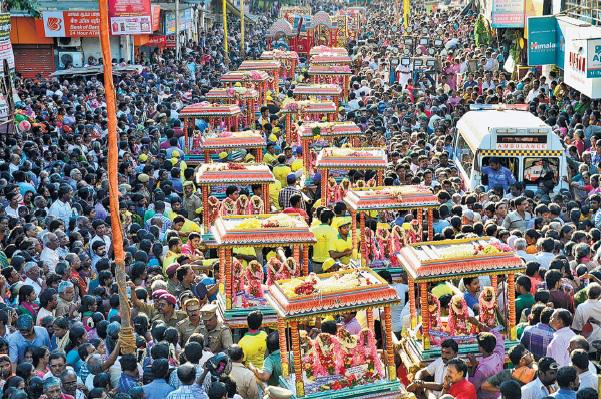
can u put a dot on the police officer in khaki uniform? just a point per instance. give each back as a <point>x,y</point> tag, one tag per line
<point>218,336</point>
<point>163,309</point>
<point>192,324</point>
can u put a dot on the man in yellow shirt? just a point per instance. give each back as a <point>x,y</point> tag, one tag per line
<point>281,170</point>
<point>325,234</point>
<point>270,156</point>
<point>175,250</point>
<point>254,342</point>
<point>341,247</point>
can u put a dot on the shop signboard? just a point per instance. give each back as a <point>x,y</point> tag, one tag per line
<point>130,17</point>
<point>507,14</point>
<point>542,40</point>
<point>71,23</point>
<point>6,48</point>
<point>593,58</point>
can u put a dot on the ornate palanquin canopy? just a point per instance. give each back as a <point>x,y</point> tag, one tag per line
<point>243,76</point>
<point>208,110</point>
<point>395,197</point>
<point>243,139</point>
<point>330,129</point>
<point>262,230</point>
<point>325,49</point>
<point>341,291</point>
<point>317,90</point>
<point>233,173</point>
<point>308,106</point>
<point>279,55</point>
<point>329,70</point>
<point>223,93</point>
<point>441,260</point>
<point>351,158</point>
<point>331,59</point>
<point>262,65</point>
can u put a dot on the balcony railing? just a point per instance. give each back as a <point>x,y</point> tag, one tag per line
<point>585,10</point>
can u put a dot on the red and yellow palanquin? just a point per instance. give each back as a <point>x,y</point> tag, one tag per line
<point>289,12</point>
<point>342,365</point>
<point>258,80</point>
<point>433,262</point>
<point>242,289</point>
<point>224,174</point>
<point>250,140</point>
<point>272,67</point>
<point>413,198</point>
<point>287,59</point>
<point>332,74</point>
<point>305,111</point>
<point>331,92</point>
<point>218,117</point>
<point>330,158</point>
<point>328,132</point>
<point>247,99</point>
<point>353,18</point>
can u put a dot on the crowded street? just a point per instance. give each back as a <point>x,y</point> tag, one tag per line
<point>319,200</point>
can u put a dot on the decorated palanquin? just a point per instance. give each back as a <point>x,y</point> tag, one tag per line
<point>326,49</point>
<point>221,175</point>
<point>215,142</point>
<point>272,67</point>
<point>319,91</point>
<point>331,59</point>
<point>341,365</point>
<point>258,80</point>
<point>247,99</point>
<point>219,117</point>
<point>433,262</point>
<point>287,59</point>
<point>305,111</point>
<point>331,74</point>
<point>352,19</point>
<point>379,248</point>
<point>345,159</point>
<point>317,135</point>
<point>243,287</point>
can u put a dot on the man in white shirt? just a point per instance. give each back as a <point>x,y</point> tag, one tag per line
<point>61,208</point>
<point>589,309</point>
<point>49,255</point>
<point>579,358</point>
<point>32,271</point>
<point>561,320</point>
<point>544,385</point>
<point>545,254</point>
<point>48,301</point>
<point>436,370</point>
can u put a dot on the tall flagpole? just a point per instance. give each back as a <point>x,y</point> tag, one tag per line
<point>225,39</point>
<point>242,49</point>
<point>126,336</point>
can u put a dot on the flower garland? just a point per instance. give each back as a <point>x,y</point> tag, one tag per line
<point>458,317</point>
<point>242,205</point>
<point>228,207</point>
<point>256,205</point>
<point>348,344</point>
<point>367,353</point>
<point>487,302</point>
<point>344,187</point>
<point>254,279</point>
<point>327,359</point>
<point>237,278</point>
<point>214,206</point>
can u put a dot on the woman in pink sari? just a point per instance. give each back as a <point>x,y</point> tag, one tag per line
<point>451,70</point>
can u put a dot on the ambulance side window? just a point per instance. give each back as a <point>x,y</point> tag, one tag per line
<point>464,155</point>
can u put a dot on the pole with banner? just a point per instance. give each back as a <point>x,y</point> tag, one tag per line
<point>126,334</point>
<point>242,49</point>
<point>406,6</point>
<point>225,40</point>
<point>177,29</point>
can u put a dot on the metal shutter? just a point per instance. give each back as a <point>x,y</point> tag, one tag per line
<point>33,59</point>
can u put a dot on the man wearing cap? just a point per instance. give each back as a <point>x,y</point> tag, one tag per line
<point>163,309</point>
<point>270,156</point>
<point>341,247</point>
<point>172,281</point>
<point>191,324</point>
<point>281,170</point>
<point>26,335</point>
<point>218,336</point>
<point>289,191</point>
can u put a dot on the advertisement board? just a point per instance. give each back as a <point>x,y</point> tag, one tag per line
<point>128,8</point>
<point>130,17</point>
<point>71,23</point>
<point>542,40</point>
<point>507,14</point>
<point>6,48</point>
<point>593,58</point>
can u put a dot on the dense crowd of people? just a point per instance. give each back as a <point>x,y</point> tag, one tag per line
<point>59,303</point>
